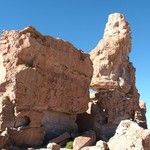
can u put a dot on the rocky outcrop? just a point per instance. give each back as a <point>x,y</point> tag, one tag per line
<point>60,138</point>
<point>112,69</point>
<point>43,86</point>
<point>44,92</point>
<point>116,97</point>
<point>133,137</point>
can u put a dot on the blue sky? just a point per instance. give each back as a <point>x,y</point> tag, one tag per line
<point>82,22</point>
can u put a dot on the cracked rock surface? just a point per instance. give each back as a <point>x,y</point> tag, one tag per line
<point>42,80</point>
<point>116,97</point>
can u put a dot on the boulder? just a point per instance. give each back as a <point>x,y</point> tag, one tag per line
<point>5,142</point>
<point>60,138</point>
<point>133,136</point>
<point>27,137</point>
<point>141,115</point>
<point>55,67</point>
<point>87,139</point>
<point>53,146</point>
<point>100,145</point>
<point>7,119</point>
<point>112,68</point>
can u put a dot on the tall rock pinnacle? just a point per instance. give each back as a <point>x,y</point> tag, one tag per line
<point>116,96</point>
<point>112,69</point>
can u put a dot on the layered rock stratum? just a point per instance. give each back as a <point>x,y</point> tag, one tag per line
<point>44,92</point>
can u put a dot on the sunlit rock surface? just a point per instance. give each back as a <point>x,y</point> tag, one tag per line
<point>43,85</point>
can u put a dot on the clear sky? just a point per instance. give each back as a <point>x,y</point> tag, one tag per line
<point>82,22</point>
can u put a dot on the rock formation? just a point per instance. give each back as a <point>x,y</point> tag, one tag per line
<point>44,84</point>
<point>44,92</point>
<point>113,78</point>
<point>112,69</point>
<point>133,137</point>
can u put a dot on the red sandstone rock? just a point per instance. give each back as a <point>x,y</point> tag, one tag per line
<point>7,119</point>
<point>42,80</point>
<point>87,139</point>
<point>5,143</point>
<point>110,57</point>
<point>51,65</point>
<point>100,145</point>
<point>60,138</point>
<point>27,136</point>
<point>116,97</point>
<point>53,146</point>
<point>130,136</point>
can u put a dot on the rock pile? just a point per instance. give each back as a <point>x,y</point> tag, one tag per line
<point>44,84</point>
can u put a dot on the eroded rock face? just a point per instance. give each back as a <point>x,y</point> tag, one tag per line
<point>112,69</point>
<point>140,116</point>
<point>116,97</point>
<point>133,137</point>
<point>106,112</point>
<point>5,142</point>
<point>42,79</point>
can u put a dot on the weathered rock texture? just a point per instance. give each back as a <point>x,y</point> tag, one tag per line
<point>43,85</point>
<point>53,146</point>
<point>5,142</point>
<point>112,69</point>
<point>116,98</point>
<point>87,139</point>
<point>100,145</point>
<point>129,136</point>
